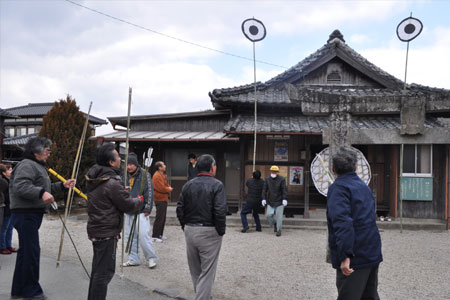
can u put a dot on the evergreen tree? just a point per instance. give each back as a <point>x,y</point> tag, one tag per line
<point>63,124</point>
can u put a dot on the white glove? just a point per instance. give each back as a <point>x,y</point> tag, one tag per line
<point>284,202</point>
<point>263,203</point>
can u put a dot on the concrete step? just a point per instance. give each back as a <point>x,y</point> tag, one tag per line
<point>317,221</point>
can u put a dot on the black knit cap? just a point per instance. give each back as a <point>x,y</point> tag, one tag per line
<point>132,159</point>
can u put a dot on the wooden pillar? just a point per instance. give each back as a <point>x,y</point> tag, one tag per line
<point>242,152</point>
<point>306,176</point>
<point>394,165</point>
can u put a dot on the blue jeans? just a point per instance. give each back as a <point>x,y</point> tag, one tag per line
<point>250,209</point>
<point>145,242</point>
<point>278,211</point>
<point>6,232</point>
<point>26,274</point>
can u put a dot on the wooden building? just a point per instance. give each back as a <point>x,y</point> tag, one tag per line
<point>333,97</point>
<point>25,124</point>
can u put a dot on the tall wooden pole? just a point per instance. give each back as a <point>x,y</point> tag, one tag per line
<point>74,171</point>
<point>125,177</point>
<point>256,110</point>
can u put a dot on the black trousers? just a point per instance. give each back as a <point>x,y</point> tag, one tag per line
<point>250,209</point>
<point>26,273</point>
<point>360,285</point>
<point>103,268</point>
<point>160,219</point>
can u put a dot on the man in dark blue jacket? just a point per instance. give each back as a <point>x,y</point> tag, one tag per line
<point>354,239</point>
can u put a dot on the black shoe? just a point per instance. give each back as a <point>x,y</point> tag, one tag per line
<point>275,227</point>
<point>258,229</point>
<point>279,233</point>
<point>245,229</point>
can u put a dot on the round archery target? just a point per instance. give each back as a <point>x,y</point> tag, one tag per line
<point>254,30</point>
<point>409,29</point>
<point>321,171</point>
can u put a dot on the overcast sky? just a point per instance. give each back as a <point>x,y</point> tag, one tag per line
<point>53,48</point>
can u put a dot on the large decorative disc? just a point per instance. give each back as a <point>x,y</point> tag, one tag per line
<point>409,29</point>
<point>321,170</point>
<point>254,30</point>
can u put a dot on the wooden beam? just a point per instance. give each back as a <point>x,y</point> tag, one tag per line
<point>306,176</point>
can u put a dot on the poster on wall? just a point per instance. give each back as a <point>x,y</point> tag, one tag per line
<point>295,175</point>
<point>281,151</point>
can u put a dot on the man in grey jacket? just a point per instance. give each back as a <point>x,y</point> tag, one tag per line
<point>140,183</point>
<point>275,189</point>
<point>30,192</point>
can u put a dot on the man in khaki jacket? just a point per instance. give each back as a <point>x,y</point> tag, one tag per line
<point>162,190</point>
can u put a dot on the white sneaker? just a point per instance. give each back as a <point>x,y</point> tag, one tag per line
<point>151,263</point>
<point>157,240</point>
<point>130,264</point>
<point>164,238</point>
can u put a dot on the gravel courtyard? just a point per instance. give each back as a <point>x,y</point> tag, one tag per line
<point>262,266</point>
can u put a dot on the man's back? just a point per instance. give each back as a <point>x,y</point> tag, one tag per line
<point>352,222</point>
<point>203,201</point>
<point>255,187</point>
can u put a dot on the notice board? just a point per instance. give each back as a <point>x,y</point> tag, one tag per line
<point>417,188</point>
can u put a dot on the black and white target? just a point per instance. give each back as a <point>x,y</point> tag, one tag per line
<point>254,30</point>
<point>409,29</point>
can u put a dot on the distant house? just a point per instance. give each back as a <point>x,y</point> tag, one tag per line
<point>26,123</point>
<point>333,97</point>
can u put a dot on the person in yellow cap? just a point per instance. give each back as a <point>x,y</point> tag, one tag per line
<point>276,194</point>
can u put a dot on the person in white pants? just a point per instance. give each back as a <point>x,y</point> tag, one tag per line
<point>140,185</point>
<point>145,241</point>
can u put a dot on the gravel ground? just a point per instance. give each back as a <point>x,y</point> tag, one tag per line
<point>261,266</point>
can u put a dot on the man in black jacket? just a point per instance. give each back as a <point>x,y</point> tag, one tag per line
<point>192,170</point>
<point>108,200</point>
<point>255,186</point>
<point>201,211</point>
<point>275,188</point>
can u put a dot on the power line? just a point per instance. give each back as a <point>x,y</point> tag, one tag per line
<point>172,37</point>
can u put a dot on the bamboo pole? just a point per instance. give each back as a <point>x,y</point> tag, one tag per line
<point>75,189</point>
<point>125,178</point>
<point>74,170</point>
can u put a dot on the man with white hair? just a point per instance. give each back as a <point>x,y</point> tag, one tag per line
<point>354,239</point>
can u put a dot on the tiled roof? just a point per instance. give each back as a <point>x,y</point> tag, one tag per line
<point>180,136</point>
<point>270,96</point>
<point>277,123</point>
<point>361,122</point>
<point>5,114</point>
<point>32,109</point>
<point>40,109</point>
<point>331,49</point>
<point>274,91</point>
<point>18,140</point>
<point>315,124</point>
